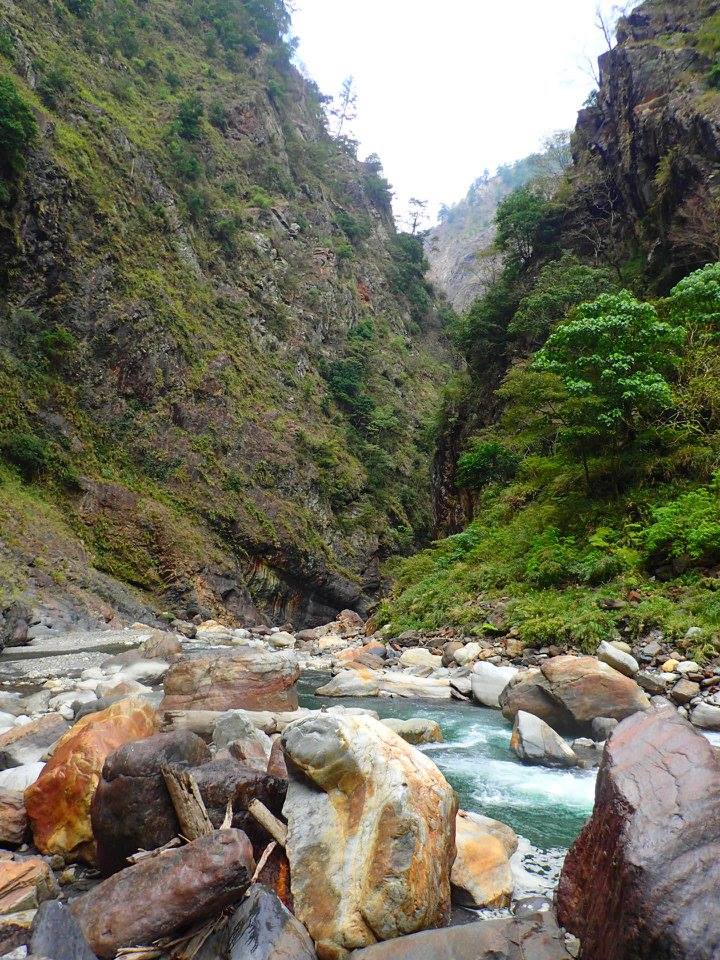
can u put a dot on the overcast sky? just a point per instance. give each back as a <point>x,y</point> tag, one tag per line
<point>448,88</point>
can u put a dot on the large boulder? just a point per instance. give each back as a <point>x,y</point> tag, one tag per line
<point>371,833</point>
<point>57,934</point>
<point>58,803</point>
<point>569,692</point>
<point>159,895</point>
<point>535,742</point>
<point>249,744</point>
<point>535,938</point>
<point>263,929</point>
<point>481,874</point>
<point>641,881</point>
<point>489,681</point>
<point>246,678</point>
<point>132,809</point>
<point>228,781</point>
<point>416,730</point>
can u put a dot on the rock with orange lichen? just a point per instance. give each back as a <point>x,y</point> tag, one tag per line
<point>58,803</point>
<point>371,833</point>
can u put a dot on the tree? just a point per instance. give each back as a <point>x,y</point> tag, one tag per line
<point>561,285</point>
<point>18,129</point>
<point>695,301</point>
<point>526,222</point>
<point>612,357</point>
<point>417,214</point>
<point>344,109</point>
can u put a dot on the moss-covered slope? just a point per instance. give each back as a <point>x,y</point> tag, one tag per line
<point>217,360</point>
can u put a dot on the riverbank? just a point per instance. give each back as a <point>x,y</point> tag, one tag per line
<point>278,737</point>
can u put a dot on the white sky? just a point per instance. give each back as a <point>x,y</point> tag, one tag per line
<point>447,88</point>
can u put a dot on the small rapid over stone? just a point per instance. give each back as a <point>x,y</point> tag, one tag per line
<point>546,807</point>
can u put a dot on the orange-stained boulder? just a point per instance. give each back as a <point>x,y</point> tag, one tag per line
<point>245,678</point>
<point>58,803</point>
<point>371,833</point>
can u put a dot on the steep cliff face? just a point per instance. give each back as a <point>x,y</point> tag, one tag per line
<point>647,151</point>
<point>216,356</point>
<point>459,247</point>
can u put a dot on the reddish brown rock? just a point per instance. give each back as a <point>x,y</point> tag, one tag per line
<point>245,678</point>
<point>58,803</point>
<point>160,895</point>
<point>25,884</point>
<point>569,692</point>
<point>641,881</point>
<point>13,818</point>
<point>132,809</point>
<point>31,741</point>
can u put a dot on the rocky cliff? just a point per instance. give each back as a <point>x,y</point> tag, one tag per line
<point>217,358</point>
<point>647,148</point>
<point>459,248</point>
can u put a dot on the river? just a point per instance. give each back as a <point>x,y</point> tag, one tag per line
<point>547,808</point>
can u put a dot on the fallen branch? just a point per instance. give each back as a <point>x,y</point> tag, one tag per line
<point>189,806</point>
<point>276,828</point>
<point>264,857</point>
<point>147,854</point>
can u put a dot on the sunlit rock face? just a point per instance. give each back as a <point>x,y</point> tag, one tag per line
<point>371,833</point>
<point>58,803</point>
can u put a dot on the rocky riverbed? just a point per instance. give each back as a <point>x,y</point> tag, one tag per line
<point>323,793</point>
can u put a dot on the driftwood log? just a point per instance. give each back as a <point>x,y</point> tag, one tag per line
<point>189,806</point>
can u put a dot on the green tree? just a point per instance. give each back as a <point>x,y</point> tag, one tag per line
<point>527,224</point>
<point>561,285</point>
<point>612,357</point>
<point>18,129</point>
<point>695,301</point>
<point>189,118</point>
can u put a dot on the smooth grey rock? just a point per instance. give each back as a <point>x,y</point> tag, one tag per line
<point>617,658</point>
<point>489,681</point>
<point>57,934</point>
<point>706,716</point>
<point>652,681</point>
<point>602,727</point>
<point>510,938</point>
<point>535,742</point>
<point>255,744</point>
<point>417,730</point>
<point>263,929</point>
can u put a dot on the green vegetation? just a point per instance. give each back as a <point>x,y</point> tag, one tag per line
<point>220,346</point>
<point>598,489</point>
<point>18,130</point>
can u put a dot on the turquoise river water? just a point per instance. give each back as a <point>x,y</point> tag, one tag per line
<point>547,807</point>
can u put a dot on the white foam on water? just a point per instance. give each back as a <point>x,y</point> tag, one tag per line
<point>536,872</point>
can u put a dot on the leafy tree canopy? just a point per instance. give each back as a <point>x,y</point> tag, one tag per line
<point>561,285</point>
<point>612,357</point>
